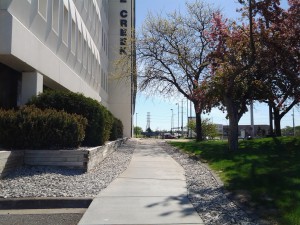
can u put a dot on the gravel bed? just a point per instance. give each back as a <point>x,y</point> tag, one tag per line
<point>43,181</point>
<point>205,191</point>
<point>207,194</point>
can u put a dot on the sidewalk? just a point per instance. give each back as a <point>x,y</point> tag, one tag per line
<point>151,191</point>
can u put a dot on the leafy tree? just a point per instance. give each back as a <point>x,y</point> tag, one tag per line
<point>279,32</point>
<point>289,131</point>
<point>191,125</point>
<point>173,53</point>
<point>208,128</point>
<point>138,130</point>
<point>232,67</point>
<point>256,61</point>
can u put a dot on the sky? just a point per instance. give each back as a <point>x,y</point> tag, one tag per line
<point>160,109</point>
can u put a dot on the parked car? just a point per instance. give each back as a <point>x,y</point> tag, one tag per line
<point>169,136</point>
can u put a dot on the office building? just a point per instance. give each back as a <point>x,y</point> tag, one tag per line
<point>68,45</point>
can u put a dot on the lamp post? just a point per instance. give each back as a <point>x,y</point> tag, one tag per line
<point>252,119</point>
<point>293,115</point>
<point>172,121</point>
<point>182,117</point>
<point>136,130</point>
<point>178,117</point>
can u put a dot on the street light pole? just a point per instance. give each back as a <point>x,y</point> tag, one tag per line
<point>136,131</point>
<point>187,117</point>
<point>172,121</point>
<point>182,118</point>
<point>294,131</point>
<point>252,119</point>
<point>178,117</point>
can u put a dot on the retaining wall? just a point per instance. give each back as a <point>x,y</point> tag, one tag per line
<point>86,159</point>
<point>10,160</point>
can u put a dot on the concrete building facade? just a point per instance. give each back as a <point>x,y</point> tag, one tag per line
<point>67,45</point>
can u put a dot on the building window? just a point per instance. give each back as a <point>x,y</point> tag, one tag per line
<point>106,83</point>
<point>102,78</point>
<point>104,41</point>
<point>55,15</point>
<point>89,60</point>
<point>102,37</point>
<point>106,45</point>
<point>73,37</point>
<point>65,26</point>
<point>84,60</point>
<point>42,8</point>
<point>79,46</point>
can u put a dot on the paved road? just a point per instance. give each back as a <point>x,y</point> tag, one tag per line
<point>41,217</point>
<point>151,191</point>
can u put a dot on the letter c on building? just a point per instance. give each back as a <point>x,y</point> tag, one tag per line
<point>124,13</point>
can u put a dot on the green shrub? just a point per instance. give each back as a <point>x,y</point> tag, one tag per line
<point>116,130</point>
<point>99,118</point>
<point>109,120</point>
<point>33,128</point>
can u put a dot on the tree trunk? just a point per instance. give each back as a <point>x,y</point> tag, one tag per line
<point>233,135</point>
<point>198,122</point>
<point>198,127</point>
<point>277,121</point>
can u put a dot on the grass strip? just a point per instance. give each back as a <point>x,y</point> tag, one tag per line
<point>268,169</point>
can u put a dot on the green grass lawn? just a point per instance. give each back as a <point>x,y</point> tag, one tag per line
<point>268,168</point>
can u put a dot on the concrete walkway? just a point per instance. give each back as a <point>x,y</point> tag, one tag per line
<point>151,191</point>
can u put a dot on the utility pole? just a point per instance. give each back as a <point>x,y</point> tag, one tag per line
<point>293,115</point>
<point>136,130</point>
<point>187,116</point>
<point>190,134</point>
<point>172,121</point>
<point>182,117</point>
<point>252,118</point>
<point>148,122</point>
<point>178,117</point>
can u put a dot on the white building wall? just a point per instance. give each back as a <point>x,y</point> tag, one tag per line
<point>62,39</point>
<point>71,43</point>
<point>120,83</point>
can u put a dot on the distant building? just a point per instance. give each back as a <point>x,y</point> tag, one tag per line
<point>246,130</point>
<point>243,130</point>
<point>67,45</point>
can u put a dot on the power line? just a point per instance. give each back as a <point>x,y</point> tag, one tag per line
<point>148,121</point>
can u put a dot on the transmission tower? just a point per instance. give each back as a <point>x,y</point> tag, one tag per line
<point>148,121</point>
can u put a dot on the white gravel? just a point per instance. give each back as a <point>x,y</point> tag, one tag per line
<point>204,191</point>
<point>43,181</point>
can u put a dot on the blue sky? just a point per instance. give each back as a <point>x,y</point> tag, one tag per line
<point>159,108</point>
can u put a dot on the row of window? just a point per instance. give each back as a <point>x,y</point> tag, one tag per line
<point>76,36</point>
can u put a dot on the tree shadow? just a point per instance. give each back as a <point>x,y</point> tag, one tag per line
<point>182,205</point>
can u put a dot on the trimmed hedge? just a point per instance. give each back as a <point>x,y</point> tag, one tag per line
<point>33,128</point>
<point>116,130</point>
<point>100,120</point>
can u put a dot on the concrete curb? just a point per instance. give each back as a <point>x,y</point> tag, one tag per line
<point>44,203</point>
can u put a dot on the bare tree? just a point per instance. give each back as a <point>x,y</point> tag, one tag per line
<point>172,52</point>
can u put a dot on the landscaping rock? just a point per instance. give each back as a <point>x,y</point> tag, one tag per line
<point>43,181</point>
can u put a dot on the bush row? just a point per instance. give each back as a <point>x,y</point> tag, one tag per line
<point>116,130</point>
<point>33,128</point>
<point>102,125</point>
